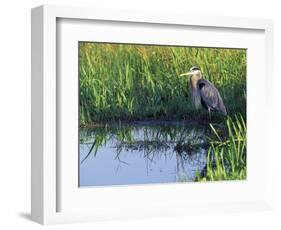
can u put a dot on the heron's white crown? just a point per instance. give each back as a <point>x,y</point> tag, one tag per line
<point>195,72</point>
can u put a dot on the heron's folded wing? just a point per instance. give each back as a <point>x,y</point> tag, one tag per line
<point>209,94</point>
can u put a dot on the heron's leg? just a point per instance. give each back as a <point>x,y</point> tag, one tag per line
<point>209,111</point>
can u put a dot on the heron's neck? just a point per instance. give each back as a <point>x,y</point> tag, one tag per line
<point>195,90</point>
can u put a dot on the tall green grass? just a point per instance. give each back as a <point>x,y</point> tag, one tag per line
<point>121,82</point>
<point>227,159</point>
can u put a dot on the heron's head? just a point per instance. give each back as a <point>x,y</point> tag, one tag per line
<point>194,72</point>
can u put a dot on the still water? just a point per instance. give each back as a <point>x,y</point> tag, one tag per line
<point>141,154</point>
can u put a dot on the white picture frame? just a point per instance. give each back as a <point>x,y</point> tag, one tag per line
<point>49,187</point>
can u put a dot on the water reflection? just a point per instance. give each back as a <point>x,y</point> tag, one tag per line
<point>141,154</point>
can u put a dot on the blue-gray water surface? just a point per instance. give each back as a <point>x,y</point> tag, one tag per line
<point>141,154</point>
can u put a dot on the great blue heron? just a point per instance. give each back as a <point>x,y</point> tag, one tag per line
<point>204,92</point>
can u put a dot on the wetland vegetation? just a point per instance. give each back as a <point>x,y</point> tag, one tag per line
<point>137,121</point>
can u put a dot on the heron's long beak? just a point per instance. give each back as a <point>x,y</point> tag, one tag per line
<point>186,74</point>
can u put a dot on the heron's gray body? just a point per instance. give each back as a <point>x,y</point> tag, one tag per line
<point>204,93</point>
<point>210,97</point>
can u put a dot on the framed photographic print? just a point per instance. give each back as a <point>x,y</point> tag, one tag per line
<point>144,114</point>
